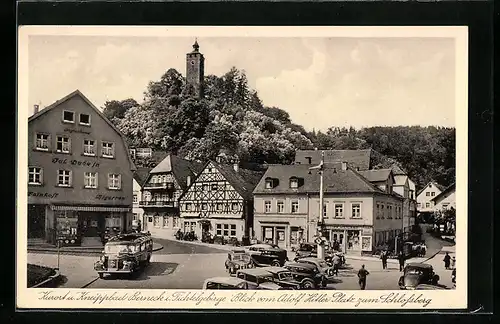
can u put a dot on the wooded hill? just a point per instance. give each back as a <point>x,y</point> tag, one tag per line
<point>231,117</point>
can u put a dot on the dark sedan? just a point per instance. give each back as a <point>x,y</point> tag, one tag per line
<point>415,274</point>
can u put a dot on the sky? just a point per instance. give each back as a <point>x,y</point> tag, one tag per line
<point>320,82</point>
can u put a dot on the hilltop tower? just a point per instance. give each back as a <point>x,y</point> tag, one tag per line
<point>195,69</point>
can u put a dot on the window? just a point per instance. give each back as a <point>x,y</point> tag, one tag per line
<point>378,211</point>
<point>432,194</point>
<point>356,210</point>
<point>218,230</point>
<point>42,142</point>
<point>63,145</point>
<point>135,198</point>
<point>68,116</point>
<point>445,206</point>
<point>382,212</point>
<point>269,184</point>
<point>90,181</point>
<point>427,205</point>
<point>204,206</point>
<point>175,222</point>
<point>63,178</point>
<point>214,187</point>
<point>419,205</point>
<point>339,210</point>
<point>294,183</point>
<point>165,221</point>
<point>204,187</point>
<point>280,206</point>
<point>108,149</point>
<point>85,119</point>
<point>114,181</point>
<point>219,207</point>
<point>267,206</point>
<point>156,222</point>
<point>226,230</point>
<point>325,210</point>
<point>295,206</point>
<point>234,206</point>
<point>233,230</point>
<point>35,176</point>
<point>89,147</point>
<point>427,194</point>
<point>188,206</point>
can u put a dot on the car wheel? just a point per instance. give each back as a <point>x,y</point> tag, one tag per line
<point>276,263</point>
<point>101,275</point>
<point>323,282</point>
<point>308,284</point>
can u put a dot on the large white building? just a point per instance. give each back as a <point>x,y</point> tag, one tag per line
<point>425,196</point>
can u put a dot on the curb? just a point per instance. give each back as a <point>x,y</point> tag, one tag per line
<point>49,279</point>
<point>89,283</point>
<point>158,247</point>
<point>89,250</point>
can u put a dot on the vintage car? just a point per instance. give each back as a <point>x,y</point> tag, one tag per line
<point>238,259</point>
<point>307,274</point>
<point>258,278</point>
<point>283,277</point>
<point>264,255</point>
<point>225,283</point>
<point>321,265</point>
<point>309,250</point>
<point>125,253</point>
<point>415,274</point>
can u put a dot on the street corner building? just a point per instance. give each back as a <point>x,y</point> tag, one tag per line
<point>161,191</point>
<point>219,201</point>
<point>79,174</point>
<point>361,210</point>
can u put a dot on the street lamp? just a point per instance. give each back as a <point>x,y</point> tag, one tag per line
<point>320,239</point>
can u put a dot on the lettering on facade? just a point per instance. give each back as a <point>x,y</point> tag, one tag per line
<point>81,131</point>
<point>105,197</point>
<point>42,194</point>
<point>76,162</point>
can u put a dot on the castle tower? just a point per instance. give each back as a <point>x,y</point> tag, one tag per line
<point>195,69</point>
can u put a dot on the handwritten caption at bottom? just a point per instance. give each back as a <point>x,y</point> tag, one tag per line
<point>241,298</point>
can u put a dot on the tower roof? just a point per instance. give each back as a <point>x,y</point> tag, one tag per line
<point>196,47</point>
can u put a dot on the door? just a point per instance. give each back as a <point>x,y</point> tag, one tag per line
<point>281,237</point>
<point>268,234</point>
<point>339,236</point>
<point>36,221</point>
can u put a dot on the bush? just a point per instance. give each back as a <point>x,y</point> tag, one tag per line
<point>218,239</point>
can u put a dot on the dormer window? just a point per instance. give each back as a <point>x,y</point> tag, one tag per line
<point>294,183</point>
<point>271,183</point>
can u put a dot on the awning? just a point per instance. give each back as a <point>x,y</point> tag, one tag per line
<point>277,222</point>
<point>92,208</point>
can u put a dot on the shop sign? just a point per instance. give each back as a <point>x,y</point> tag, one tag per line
<point>76,162</point>
<point>106,197</point>
<point>76,130</point>
<point>367,231</point>
<point>43,194</point>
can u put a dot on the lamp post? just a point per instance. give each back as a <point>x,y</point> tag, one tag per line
<point>320,239</point>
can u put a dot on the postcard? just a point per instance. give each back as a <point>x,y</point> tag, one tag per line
<point>159,165</point>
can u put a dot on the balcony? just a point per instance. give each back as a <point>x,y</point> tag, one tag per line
<point>158,203</point>
<point>160,185</point>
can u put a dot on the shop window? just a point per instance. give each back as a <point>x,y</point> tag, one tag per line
<point>35,176</point>
<point>295,207</point>
<point>85,119</point>
<point>90,179</point>
<point>356,210</point>
<point>165,221</point>
<point>68,116</point>
<point>226,230</point>
<point>218,229</point>
<point>113,221</point>
<point>280,206</point>
<point>175,222</point>
<point>233,230</point>
<point>267,206</point>
<point>42,142</point>
<point>89,147</point>
<point>63,144</point>
<point>114,181</point>
<point>108,149</point>
<point>339,210</point>
<point>64,178</point>
<point>156,222</point>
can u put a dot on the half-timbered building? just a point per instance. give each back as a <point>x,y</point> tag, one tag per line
<point>161,192</point>
<point>220,201</point>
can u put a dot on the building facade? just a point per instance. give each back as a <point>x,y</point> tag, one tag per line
<point>140,177</point>
<point>161,192</point>
<point>79,173</point>
<point>220,201</point>
<point>195,69</point>
<point>425,196</point>
<point>357,213</point>
<point>446,199</point>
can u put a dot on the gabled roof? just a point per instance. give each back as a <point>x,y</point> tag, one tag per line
<point>141,175</point>
<point>376,175</point>
<point>437,185</point>
<point>97,111</point>
<point>356,158</point>
<point>396,170</point>
<point>335,180</point>
<point>179,167</point>
<point>243,181</point>
<point>445,192</point>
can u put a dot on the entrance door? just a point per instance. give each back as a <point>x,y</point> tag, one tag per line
<point>281,241</point>
<point>268,235</point>
<point>339,236</point>
<point>36,221</point>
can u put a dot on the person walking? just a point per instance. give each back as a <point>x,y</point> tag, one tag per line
<point>336,264</point>
<point>384,256</point>
<point>401,258</point>
<point>447,260</point>
<point>362,274</point>
<point>453,262</point>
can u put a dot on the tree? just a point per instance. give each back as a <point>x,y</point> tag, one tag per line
<point>115,109</point>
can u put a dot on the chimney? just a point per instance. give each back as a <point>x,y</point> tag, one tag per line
<point>344,166</point>
<point>36,108</point>
<point>188,180</point>
<point>236,166</point>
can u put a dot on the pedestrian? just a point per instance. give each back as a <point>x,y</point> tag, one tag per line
<point>453,261</point>
<point>447,260</point>
<point>336,264</point>
<point>424,249</point>
<point>335,245</point>
<point>384,256</point>
<point>362,274</point>
<point>401,259</point>
<point>139,227</point>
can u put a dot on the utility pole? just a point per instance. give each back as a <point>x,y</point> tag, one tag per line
<point>320,240</point>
